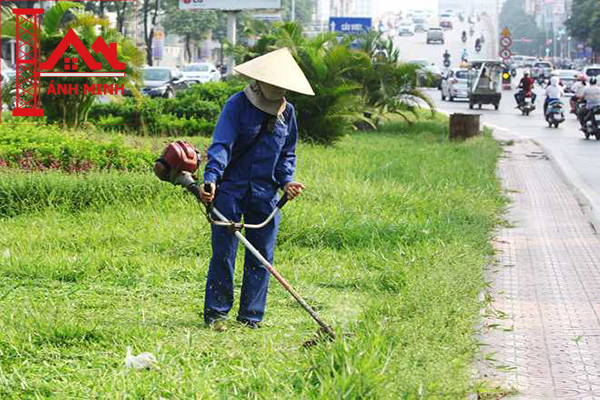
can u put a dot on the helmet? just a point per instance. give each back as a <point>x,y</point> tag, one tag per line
<point>526,73</point>
<point>177,157</point>
<point>583,78</point>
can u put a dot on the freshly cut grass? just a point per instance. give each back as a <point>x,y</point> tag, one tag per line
<point>388,242</point>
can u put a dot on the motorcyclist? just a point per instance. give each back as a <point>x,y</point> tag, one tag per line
<point>482,38</point>
<point>591,95</point>
<point>478,45</point>
<point>446,57</point>
<point>577,89</point>
<point>464,57</point>
<point>553,92</point>
<point>526,86</point>
<point>464,36</point>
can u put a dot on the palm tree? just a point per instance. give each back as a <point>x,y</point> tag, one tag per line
<point>57,21</point>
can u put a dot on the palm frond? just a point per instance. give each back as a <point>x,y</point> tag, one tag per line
<point>53,17</point>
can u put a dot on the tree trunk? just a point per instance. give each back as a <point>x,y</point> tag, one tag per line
<point>120,8</point>
<point>464,126</point>
<point>188,50</point>
<point>149,34</point>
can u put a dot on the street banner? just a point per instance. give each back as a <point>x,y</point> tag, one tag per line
<point>350,25</point>
<point>229,5</point>
<point>158,44</point>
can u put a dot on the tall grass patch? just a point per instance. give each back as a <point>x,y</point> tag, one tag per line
<point>388,242</point>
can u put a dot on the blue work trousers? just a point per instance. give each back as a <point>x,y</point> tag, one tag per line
<point>218,299</point>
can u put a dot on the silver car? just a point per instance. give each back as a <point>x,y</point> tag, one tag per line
<point>454,84</point>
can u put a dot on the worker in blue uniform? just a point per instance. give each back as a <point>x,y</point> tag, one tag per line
<point>252,155</point>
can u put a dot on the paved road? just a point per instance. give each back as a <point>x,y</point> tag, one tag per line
<point>578,159</point>
<point>416,47</point>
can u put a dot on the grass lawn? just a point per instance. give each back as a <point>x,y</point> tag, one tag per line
<point>388,243</point>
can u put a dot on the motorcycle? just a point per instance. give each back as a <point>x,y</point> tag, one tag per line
<point>580,110</point>
<point>478,47</point>
<point>471,32</point>
<point>526,105</point>
<point>555,113</point>
<point>592,124</point>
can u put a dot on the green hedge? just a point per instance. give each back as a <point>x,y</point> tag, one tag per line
<point>192,112</point>
<point>35,148</point>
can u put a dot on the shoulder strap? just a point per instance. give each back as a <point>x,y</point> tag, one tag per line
<point>263,129</point>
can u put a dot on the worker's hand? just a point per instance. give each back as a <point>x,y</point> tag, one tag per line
<point>208,197</point>
<point>293,189</point>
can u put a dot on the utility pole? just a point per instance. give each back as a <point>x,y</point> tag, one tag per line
<point>293,10</point>
<point>232,38</point>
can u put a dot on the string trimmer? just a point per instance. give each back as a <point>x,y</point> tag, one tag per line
<point>176,165</point>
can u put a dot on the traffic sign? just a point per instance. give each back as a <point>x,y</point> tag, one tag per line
<point>506,32</point>
<point>506,41</point>
<point>505,54</point>
<point>350,25</point>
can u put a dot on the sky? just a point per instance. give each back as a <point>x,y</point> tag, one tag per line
<point>381,6</point>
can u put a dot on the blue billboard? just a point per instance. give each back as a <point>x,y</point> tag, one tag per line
<point>350,25</point>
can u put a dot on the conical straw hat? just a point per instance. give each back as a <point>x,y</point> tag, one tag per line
<point>277,68</point>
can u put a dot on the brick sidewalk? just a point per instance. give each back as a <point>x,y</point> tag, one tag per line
<point>546,285</point>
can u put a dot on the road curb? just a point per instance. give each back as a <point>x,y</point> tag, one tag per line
<point>588,202</point>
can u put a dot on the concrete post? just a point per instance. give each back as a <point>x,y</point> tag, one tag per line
<point>232,38</point>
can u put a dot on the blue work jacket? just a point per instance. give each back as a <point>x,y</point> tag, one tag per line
<point>269,165</point>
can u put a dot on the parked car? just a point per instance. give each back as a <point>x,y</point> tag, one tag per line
<point>454,85</point>
<point>163,82</point>
<point>201,72</point>
<point>568,77</point>
<point>406,28</point>
<point>542,70</point>
<point>435,35</point>
<point>591,70</point>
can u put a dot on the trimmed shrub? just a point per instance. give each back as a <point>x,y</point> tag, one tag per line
<point>192,112</point>
<point>49,148</point>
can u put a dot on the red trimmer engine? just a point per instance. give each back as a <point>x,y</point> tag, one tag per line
<point>177,158</point>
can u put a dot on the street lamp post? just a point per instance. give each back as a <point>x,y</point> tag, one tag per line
<point>293,10</point>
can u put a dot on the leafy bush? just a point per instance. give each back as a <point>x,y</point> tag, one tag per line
<point>50,148</point>
<point>192,112</point>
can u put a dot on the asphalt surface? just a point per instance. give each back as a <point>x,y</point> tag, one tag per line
<point>577,159</point>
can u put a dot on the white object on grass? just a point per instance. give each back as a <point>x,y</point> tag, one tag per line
<point>141,361</point>
<point>6,253</point>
